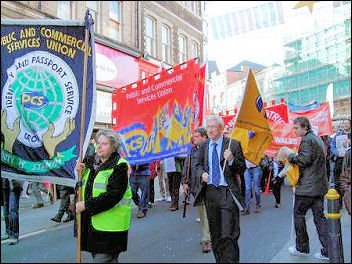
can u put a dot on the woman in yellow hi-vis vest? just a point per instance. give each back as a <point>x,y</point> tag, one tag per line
<point>105,204</point>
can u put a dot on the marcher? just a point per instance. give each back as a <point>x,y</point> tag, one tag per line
<point>327,141</point>
<point>37,195</point>
<point>192,184</point>
<point>65,192</point>
<point>345,180</point>
<point>106,205</point>
<point>253,174</point>
<point>310,189</point>
<point>338,146</point>
<point>11,191</point>
<point>219,188</point>
<point>153,174</point>
<point>174,175</point>
<point>140,180</point>
<point>276,181</point>
<point>163,183</point>
<point>92,147</point>
<point>266,164</point>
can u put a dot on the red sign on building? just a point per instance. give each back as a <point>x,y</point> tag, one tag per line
<point>115,68</point>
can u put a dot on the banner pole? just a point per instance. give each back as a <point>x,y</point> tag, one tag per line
<point>81,138</point>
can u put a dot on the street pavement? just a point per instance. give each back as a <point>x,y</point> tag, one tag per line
<point>165,236</point>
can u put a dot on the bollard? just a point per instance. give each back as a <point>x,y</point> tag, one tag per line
<point>334,226</point>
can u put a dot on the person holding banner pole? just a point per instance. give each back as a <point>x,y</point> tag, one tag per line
<point>221,190</point>
<point>106,206</point>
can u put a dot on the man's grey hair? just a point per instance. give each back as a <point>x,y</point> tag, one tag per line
<point>111,135</point>
<point>217,119</point>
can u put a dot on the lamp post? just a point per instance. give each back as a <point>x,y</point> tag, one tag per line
<point>333,220</point>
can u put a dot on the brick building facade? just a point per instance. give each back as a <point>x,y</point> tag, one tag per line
<point>150,33</point>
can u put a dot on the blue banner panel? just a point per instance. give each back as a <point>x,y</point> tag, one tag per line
<point>41,98</point>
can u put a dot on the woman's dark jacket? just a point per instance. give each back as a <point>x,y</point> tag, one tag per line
<point>99,241</point>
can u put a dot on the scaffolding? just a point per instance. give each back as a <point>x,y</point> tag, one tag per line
<point>314,61</point>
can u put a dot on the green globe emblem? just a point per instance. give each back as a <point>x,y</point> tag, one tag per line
<point>39,98</point>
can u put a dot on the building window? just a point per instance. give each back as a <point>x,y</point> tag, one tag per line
<point>165,40</point>
<point>115,20</point>
<point>182,48</point>
<point>194,50</point>
<point>64,10</point>
<point>93,7</point>
<point>191,5</point>
<point>150,36</point>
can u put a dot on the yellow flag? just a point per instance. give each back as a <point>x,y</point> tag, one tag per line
<point>251,117</point>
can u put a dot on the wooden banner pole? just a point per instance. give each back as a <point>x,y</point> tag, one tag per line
<point>81,137</point>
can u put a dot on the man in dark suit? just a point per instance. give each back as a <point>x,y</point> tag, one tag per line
<point>221,191</point>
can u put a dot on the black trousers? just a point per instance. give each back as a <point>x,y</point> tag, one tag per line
<point>337,173</point>
<point>174,187</point>
<point>224,224</point>
<point>276,187</point>
<point>151,191</point>
<point>302,204</point>
<point>65,192</point>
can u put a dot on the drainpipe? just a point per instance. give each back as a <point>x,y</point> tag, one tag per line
<point>139,28</point>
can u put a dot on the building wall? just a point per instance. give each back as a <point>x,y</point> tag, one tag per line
<point>318,56</point>
<point>180,20</point>
<point>176,14</point>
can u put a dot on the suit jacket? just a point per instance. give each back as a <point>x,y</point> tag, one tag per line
<point>231,173</point>
<point>193,180</point>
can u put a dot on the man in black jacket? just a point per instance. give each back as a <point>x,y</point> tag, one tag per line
<point>219,189</point>
<point>310,189</point>
<point>192,184</point>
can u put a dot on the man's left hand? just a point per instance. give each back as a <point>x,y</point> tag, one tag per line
<point>228,155</point>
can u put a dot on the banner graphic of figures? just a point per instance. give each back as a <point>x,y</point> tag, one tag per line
<point>154,117</point>
<point>41,81</point>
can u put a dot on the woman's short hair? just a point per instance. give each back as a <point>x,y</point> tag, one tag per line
<point>111,135</point>
<point>217,119</point>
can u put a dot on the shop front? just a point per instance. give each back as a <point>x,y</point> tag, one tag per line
<point>115,69</point>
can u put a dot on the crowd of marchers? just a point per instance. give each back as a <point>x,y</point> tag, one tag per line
<point>215,174</point>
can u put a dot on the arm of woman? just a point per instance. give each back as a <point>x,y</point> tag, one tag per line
<point>115,190</point>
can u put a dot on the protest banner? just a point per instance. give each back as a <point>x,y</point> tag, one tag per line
<point>277,113</point>
<point>252,117</point>
<point>154,117</point>
<point>319,118</point>
<point>41,88</point>
<point>199,108</point>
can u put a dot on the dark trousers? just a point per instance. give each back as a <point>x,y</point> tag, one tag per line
<point>302,204</point>
<point>11,211</point>
<point>151,191</point>
<point>224,224</point>
<point>140,182</point>
<point>337,173</point>
<point>65,192</point>
<point>276,187</point>
<point>174,187</point>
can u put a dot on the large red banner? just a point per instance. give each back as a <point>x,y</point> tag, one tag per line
<point>154,117</point>
<point>199,111</point>
<point>320,119</point>
<point>277,113</point>
<point>280,120</point>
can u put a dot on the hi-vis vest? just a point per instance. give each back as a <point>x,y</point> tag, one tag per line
<point>117,218</point>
